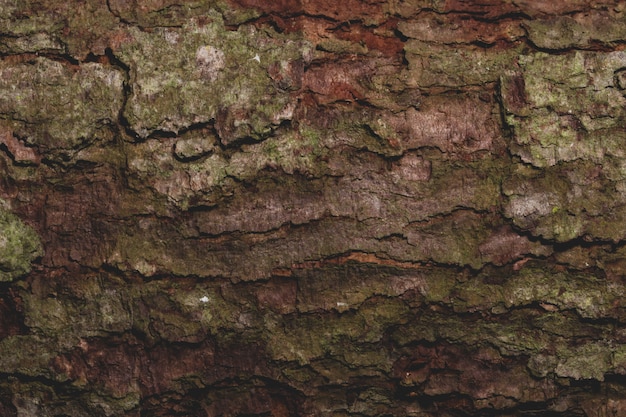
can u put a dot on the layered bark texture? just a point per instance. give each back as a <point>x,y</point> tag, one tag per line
<point>312,208</point>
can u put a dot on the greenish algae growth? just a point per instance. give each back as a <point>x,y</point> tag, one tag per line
<point>541,365</point>
<point>38,22</point>
<point>19,246</point>
<point>510,335</point>
<point>173,180</point>
<point>564,32</point>
<point>564,107</point>
<point>201,72</point>
<point>347,335</point>
<point>294,151</point>
<point>434,65</point>
<point>28,355</point>
<point>456,242</point>
<point>30,26</point>
<point>34,30</point>
<point>95,307</point>
<point>590,297</point>
<point>70,108</point>
<point>379,314</point>
<point>568,200</point>
<point>165,13</point>
<point>589,361</point>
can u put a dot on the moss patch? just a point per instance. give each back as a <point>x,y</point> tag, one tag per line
<point>203,72</point>
<point>19,246</point>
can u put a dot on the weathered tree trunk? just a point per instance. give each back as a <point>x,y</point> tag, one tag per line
<point>315,208</point>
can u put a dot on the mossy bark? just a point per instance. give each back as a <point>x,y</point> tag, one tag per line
<point>247,208</point>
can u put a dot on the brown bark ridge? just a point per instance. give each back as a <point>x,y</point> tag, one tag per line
<point>312,208</point>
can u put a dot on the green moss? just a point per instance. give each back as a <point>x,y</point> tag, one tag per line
<point>92,307</point>
<point>351,336</point>
<point>70,108</point>
<point>453,242</point>
<point>561,107</point>
<point>439,285</point>
<point>205,72</point>
<point>589,361</point>
<point>511,335</point>
<point>564,32</point>
<point>589,296</point>
<point>560,202</point>
<point>175,182</point>
<point>433,65</point>
<point>34,19</point>
<point>542,365</point>
<point>28,355</point>
<point>31,43</point>
<point>379,314</point>
<point>55,26</point>
<point>472,297</point>
<point>19,246</point>
<point>167,13</point>
<point>236,15</point>
<point>564,227</point>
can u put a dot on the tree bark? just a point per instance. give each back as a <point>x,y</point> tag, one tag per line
<point>311,208</point>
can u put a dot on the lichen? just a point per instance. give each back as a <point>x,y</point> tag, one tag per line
<point>434,65</point>
<point>589,361</point>
<point>71,107</point>
<point>19,246</point>
<point>565,112</point>
<point>578,31</point>
<point>555,103</point>
<point>203,72</point>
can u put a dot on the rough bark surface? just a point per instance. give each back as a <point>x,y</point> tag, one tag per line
<point>312,208</point>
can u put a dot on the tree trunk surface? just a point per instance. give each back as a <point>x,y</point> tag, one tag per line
<point>312,208</point>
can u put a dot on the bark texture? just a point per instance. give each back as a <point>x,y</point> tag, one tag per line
<point>312,208</point>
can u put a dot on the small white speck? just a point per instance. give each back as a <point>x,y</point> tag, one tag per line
<point>340,304</point>
<point>257,58</point>
<point>204,299</point>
